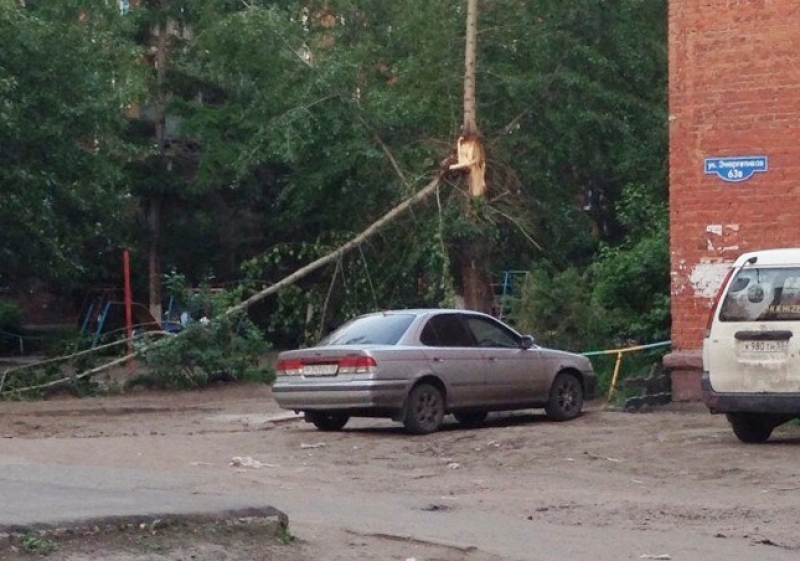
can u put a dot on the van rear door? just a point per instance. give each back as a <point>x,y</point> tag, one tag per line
<point>753,345</point>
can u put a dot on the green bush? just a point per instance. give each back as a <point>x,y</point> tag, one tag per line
<point>557,309</point>
<point>10,326</point>
<point>228,348</point>
<point>631,281</point>
<point>10,317</point>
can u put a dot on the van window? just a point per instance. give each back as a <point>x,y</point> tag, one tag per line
<point>763,294</point>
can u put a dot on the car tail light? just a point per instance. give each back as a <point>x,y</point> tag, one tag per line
<point>715,302</point>
<point>290,367</point>
<point>357,365</point>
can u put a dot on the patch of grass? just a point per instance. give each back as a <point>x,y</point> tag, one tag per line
<point>284,535</point>
<point>38,545</point>
<point>235,539</point>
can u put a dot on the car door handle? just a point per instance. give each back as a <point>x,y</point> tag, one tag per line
<point>437,359</point>
<point>492,358</point>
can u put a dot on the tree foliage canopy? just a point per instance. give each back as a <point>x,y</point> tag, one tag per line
<point>295,123</point>
<point>65,79</point>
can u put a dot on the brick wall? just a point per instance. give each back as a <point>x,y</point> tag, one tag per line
<point>734,91</point>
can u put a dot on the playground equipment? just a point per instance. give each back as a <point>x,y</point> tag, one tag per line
<point>104,314</point>
<point>507,292</point>
<point>107,317</point>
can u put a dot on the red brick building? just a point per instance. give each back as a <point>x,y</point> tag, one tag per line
<point>734,68</point>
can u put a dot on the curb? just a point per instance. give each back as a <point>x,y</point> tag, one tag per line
<point>267,516</point>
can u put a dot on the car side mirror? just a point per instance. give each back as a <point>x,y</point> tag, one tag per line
<point>526,342</point>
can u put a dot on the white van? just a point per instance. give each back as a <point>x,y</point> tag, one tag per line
<point>751,355</point>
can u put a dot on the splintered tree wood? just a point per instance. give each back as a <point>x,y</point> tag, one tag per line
<point>472,159</point>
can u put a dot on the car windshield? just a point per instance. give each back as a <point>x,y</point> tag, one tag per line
<point>763,294</point>
<point>377,329</point>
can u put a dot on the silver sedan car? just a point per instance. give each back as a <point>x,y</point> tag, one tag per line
<point>416,366</point>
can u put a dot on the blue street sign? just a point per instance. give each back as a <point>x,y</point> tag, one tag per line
<point>735,169</point>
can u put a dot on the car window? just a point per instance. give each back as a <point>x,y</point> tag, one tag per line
<point>446,330</point>
<point>763,294</point>
<point>377,329</point>
<point>489,333</point>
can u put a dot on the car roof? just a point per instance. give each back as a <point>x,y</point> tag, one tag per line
<point>425,311</point>
<point>776,256</point>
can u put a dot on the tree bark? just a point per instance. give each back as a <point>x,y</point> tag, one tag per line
<point>154,204</point>
<point>154,257</point>
<point>476,280</point>
<point>470,126</point>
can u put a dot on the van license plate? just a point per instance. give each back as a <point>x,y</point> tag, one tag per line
<point>320,369</point>
<point>763,346</point>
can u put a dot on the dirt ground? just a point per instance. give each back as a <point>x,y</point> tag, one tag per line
<point>609,473</point>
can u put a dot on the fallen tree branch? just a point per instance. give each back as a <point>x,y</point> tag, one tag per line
<point>423,193</point>
<point>75,378</point>
<point>85,374</point>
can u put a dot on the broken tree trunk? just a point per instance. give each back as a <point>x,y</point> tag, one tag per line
<point>473,257</point>
<point>469,150</point>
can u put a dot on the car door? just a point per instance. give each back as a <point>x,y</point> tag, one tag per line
<point>515,375</point>
<point>455,357</point>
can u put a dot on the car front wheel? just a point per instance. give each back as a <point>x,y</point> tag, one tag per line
<point>328,422</point>
<point>566,397</point>
<point>424,409</point>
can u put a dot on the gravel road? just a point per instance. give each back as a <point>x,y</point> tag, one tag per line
<point>608,486</point>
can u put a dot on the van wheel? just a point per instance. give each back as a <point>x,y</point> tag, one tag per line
<point>751,428</point>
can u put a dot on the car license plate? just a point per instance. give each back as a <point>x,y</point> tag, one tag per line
<point>764,346</point>
<point>320,369</point>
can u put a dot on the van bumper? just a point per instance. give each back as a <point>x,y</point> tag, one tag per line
<point>781,403</point>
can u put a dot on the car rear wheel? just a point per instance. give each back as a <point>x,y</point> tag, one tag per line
<point>566,397</point>
<point>328,422</point>
<point>751,428</point>
<point>424,409</point>
<point>471,419</point>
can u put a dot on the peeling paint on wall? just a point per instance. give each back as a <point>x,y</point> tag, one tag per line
<point>702,280</point>
<point>707,277</point>
<point>721,238</point>
<point>679,278</point>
